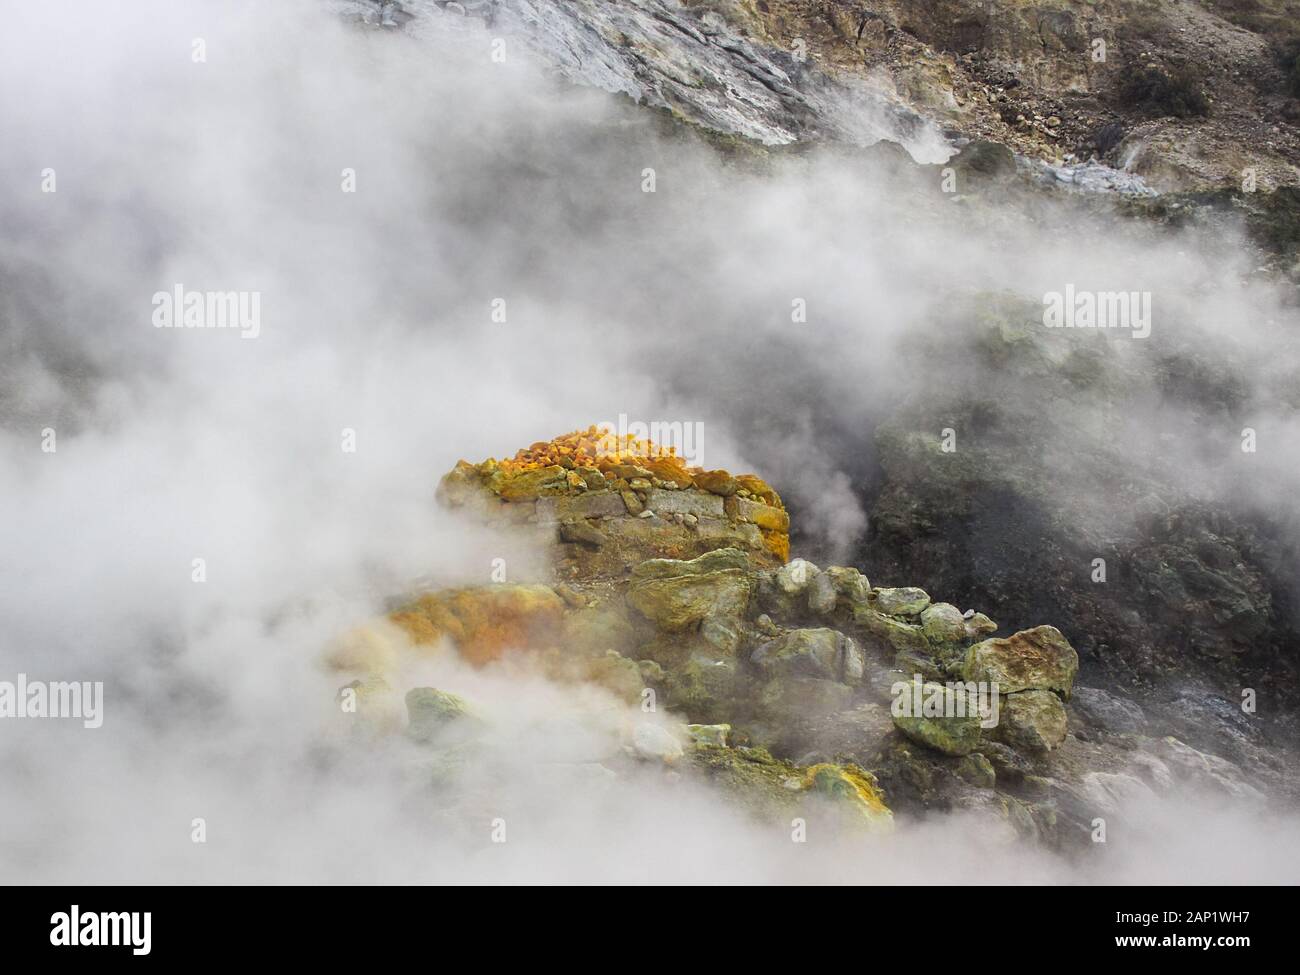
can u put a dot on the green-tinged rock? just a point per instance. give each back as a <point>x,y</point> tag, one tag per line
<point>943,623</point>
<point>431,713</point>
<point>977,770</point>
<point>907,601</point>
<point>979,625</point>
<point>677,595</point>
<point>912,662</point>
<point>617,673</point>
<point>821,595</point>
<point>1032,721</point>
<point>887,631</point>
<point>819,653</point>
<point>750,777</point>
<point>722,633</point>
<point>944,719</point>
<point>1037,659</point>
<point>703,689</point>
<point>851,586</point>
<point>709,734</point>
<point>853,789</point>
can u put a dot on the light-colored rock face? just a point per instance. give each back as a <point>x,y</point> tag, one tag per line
<point>1037,659</point>
<point>710,65</point>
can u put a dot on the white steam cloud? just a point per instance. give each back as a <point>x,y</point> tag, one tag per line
<point>475,181</point>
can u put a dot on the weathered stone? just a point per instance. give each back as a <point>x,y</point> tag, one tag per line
<point>979,625</point>
<point>1113,792</point>
<point>977,770</point>
<point>1040,658</point>
<point>1205,770</point>
<point>669,470</point>
<point>890,631</point>
<point>716,482</point>
<point>600,504</point>
<point>822,597</point>
<point>794,577</point>
<point>709,734</point>
<point>912,662</point>
<point>431,711</point>
<point>762,515</point>
<point>529,485</point>
<point>1032,721</point>
<point>721,531</point>
<point>1107,712</point>
<point>850,584</point>
<point>722,633</point>
<point>681,601</point>
<point>943,623</point>
<point>685,502</point>
<point>653,742</point>
<point>949,722</point>
<point>633,504</point>
<point>759,488</point>
<point>907,601</point>
<point>582,533</point>
<point>821,653</point>
<point>703,688</point>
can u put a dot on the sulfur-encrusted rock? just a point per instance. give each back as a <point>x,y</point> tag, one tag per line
<point>608,502</point>
<point>853,789</point>
<point>678,595</point>
<point>716,482</point>
<point>484,621</point>
<point>1037,659</point>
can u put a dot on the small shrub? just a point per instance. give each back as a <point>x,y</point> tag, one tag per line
<point>1158,91</point>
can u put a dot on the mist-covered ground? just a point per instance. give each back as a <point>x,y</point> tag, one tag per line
<point>476,181</point>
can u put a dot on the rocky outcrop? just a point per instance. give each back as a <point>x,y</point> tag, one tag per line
<point>607,504</point>
<point>1037,659</point>
<point>1188,96</point>
<point>797,689</point>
